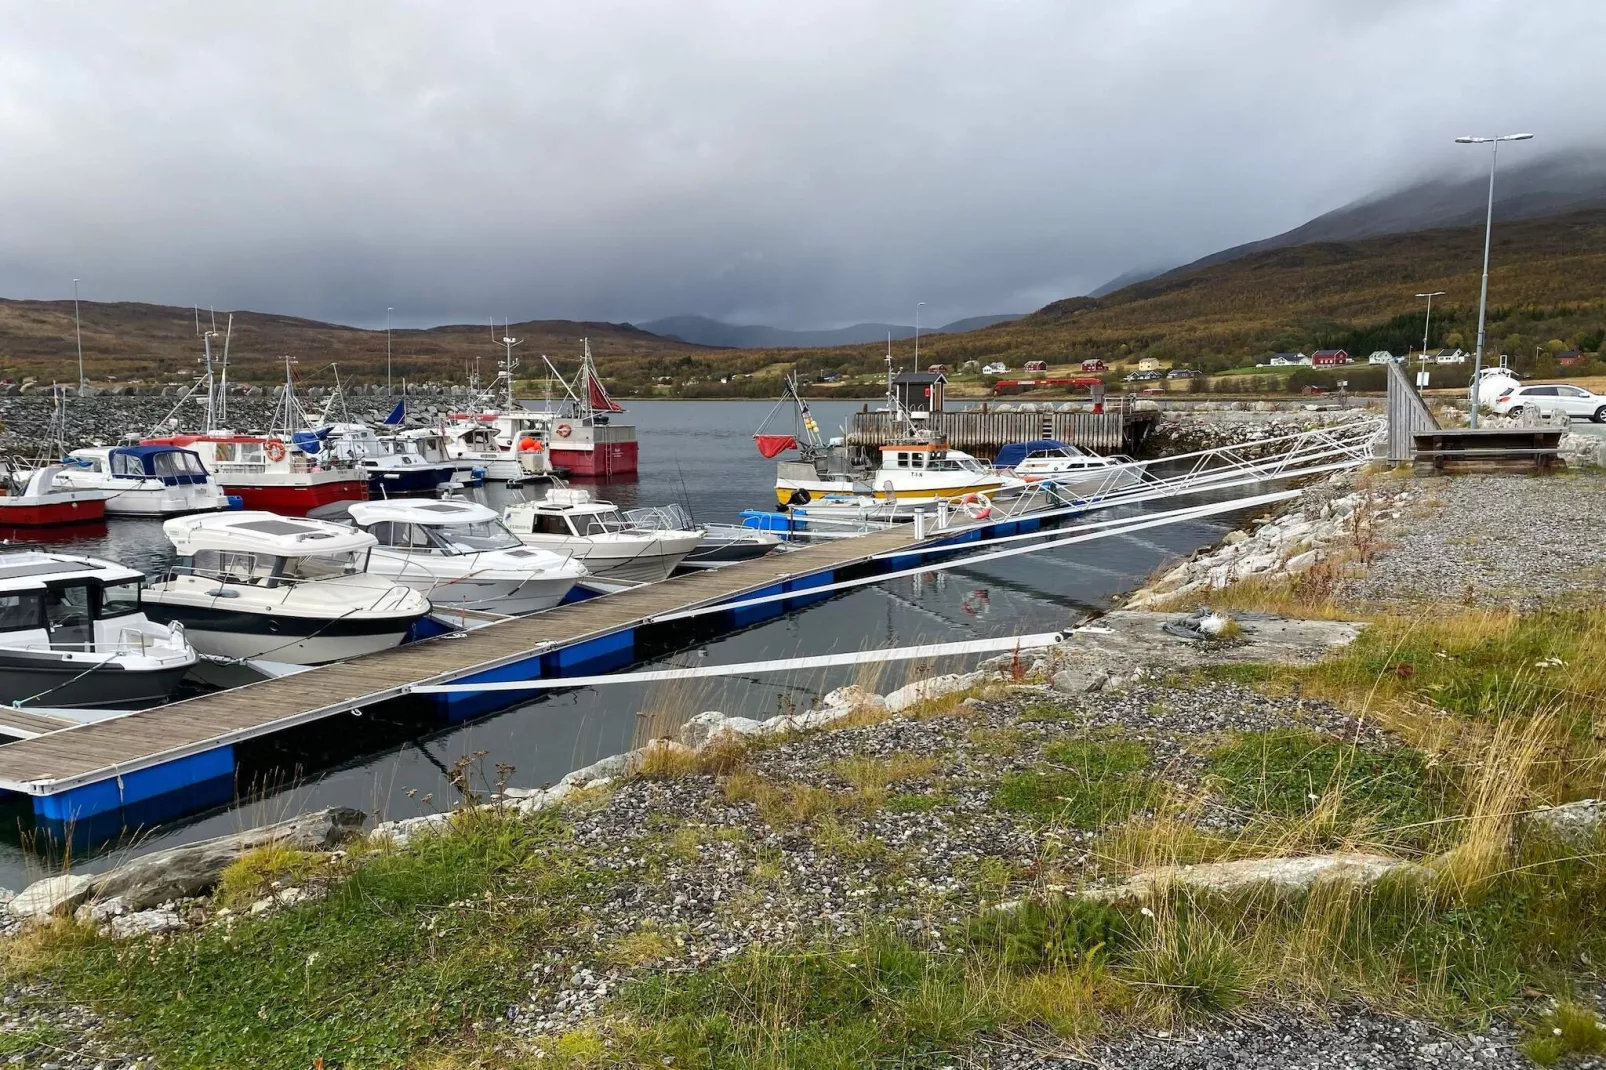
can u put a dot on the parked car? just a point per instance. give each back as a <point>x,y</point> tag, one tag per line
<point>1552,397</point>
<point>1183,373</point>
<point>998,368</point>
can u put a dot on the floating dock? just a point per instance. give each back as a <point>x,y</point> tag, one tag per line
<point>157,764</point>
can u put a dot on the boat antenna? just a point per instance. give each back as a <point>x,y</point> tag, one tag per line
<point>508,363</point>
<point>209,379</point>
<point>223,382</point>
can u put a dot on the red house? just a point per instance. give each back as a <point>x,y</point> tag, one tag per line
<point>1570,359</point>
<point>1037,365</point>
<point>1328,358</point>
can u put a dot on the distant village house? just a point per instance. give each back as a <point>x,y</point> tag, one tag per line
<point>1450,356</point>
<point>1383,356</point>
<point>1570,359</point>
<point>1036,365</point>
<point>1328,358</point>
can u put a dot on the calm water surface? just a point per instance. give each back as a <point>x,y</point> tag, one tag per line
<point>700,454</point>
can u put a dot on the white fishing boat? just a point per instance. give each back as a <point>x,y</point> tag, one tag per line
<point>461,555</point>
<point>913,470</point>
<point>429,445</point>
<point>73,633</point>
<point>144,480</point>
<point>498,435</point>
<point>389,472</point>
<point>569,521</point>
<point>1069,468</point>
<point>257,585</point>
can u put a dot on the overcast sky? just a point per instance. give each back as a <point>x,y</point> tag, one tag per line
<point>802,163</point>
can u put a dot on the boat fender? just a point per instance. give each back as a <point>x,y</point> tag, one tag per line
<point>564,430</point>
<point>274,450</point>
<point>528,444</point>
<point>976,506</point>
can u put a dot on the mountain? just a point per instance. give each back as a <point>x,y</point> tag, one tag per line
<point>701,330</point>
<point>1547,281</point>
<point>1125,279</point>
<point>157,343</point>
<point>1549,185</point>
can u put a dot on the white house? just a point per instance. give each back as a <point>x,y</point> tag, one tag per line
<point>1383,356</point>
<point>1282,360</point>
<point>1450,356</point>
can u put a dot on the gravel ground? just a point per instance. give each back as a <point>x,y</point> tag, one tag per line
<point>710,876</point>
<point>1495,541</point>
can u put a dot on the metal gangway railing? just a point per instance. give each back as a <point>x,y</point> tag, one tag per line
<point>1298,455</point>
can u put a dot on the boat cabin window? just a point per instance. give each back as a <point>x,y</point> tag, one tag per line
<point>551,524</point>
<point>323,566</point>
<point>70,612</point>
<point>119,599</point>
<point>124,464</point>
<point>401,536</point>
<point>470,538</point>
<point>230,566</point>
<point>168,465</point>
<point>600,523</point>
<point>21,611</point>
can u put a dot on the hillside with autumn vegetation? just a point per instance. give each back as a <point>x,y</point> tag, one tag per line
<point>1547,285</point>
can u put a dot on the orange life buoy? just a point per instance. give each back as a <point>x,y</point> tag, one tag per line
<point>274,450</point>
<point>977,506</point>
<point>564,430</point>
<point>528,444</point>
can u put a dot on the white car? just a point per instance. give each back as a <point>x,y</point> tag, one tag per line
<point>1552,397</point>
<point>995,369</point>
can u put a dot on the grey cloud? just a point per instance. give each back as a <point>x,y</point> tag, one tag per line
<point>797,164</point>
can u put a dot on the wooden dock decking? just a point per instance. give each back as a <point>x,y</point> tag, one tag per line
<point>62,759</point>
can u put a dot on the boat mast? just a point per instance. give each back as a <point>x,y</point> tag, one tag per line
<point>210,380</point>
<point>508,364</point>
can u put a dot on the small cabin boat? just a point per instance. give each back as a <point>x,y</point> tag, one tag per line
<point>722,544</point>
<point>1067,467</point>
<point>256,585</point>
<point>45,501</point>
<point>910,473</point>
<point>389,472</point>
<point>268,472</point>
<point>461,555</point>
<point>73,633</point>
<point>429,445</point>
<point>144,480</point>
<point>569,521</point>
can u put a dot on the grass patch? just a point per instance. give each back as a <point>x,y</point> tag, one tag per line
<point>1295,774</point>
<point>780,805</point>
<point>262,870</point>
<point>998,742</point>
<point>1094,782</point>
<point>411,947</point>
<point>1040,712</point>
<point>1567,1030</point>
<point>871,777</point>
<point>48,1038</point>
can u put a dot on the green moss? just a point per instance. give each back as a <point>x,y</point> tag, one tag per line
<point>914,803</point>
<point>1094,782</point>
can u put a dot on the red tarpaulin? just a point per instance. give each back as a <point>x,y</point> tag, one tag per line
<point>771,445</point>
<point>599,397</point>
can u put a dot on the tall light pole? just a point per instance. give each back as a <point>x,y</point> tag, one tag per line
<point>389,389</point>
<point>917,334</point>
<point>1428,321</point>
<point>1488,229</point>
<point>78,331</point>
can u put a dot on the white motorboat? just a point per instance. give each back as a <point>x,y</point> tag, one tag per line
<point>462,556</point>
<point>1067,467</point>
<point>389,472</point>
<point>35,498</point>
<point>723,544</point>
<point>257,585</point>
<point>570,521</point>
<point>144,480</point>
<point>429,446</point>
<point>73,633</point>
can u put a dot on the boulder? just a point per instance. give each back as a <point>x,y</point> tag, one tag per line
<point>932,687</point>
<point>852,697</point>
<point>1079,681</point>
<point>145,923</point>
<point>1575,822</point>
<point>615,765</point>
<point>1281,874</point>
<point>194,868</point>
<point>53,895</point>
<point>1301,562</point>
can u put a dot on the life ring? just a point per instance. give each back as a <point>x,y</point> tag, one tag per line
<point>529,444</point>
<point>274,450</point>
<point>976,505</point>
<point>564,430</point>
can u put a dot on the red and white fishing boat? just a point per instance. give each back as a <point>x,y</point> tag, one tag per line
<point>286,470</point>
<point>584,437</point>
<point>40,503</point>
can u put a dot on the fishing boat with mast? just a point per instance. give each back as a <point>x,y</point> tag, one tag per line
<point>498,436</point>
<point>390,472</point>
<point>585,438</point>
<point>913,469</point>
<point>285,469</point>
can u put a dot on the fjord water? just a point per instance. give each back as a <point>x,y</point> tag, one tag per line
<point>699,453</point>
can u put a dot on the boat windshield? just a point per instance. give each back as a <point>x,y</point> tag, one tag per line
<point>603,522</point>
<point>472,538</point>
<point>324,566</point>
<point>265,570</point>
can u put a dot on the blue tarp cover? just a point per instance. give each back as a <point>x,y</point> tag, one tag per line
<point>1016,452</point>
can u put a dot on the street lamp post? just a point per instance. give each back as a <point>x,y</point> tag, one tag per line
<point>917,334</point>
<point>1427,322</point>
<point>389,388</point>
<point>1488,229</point>
<point>78,332</point>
